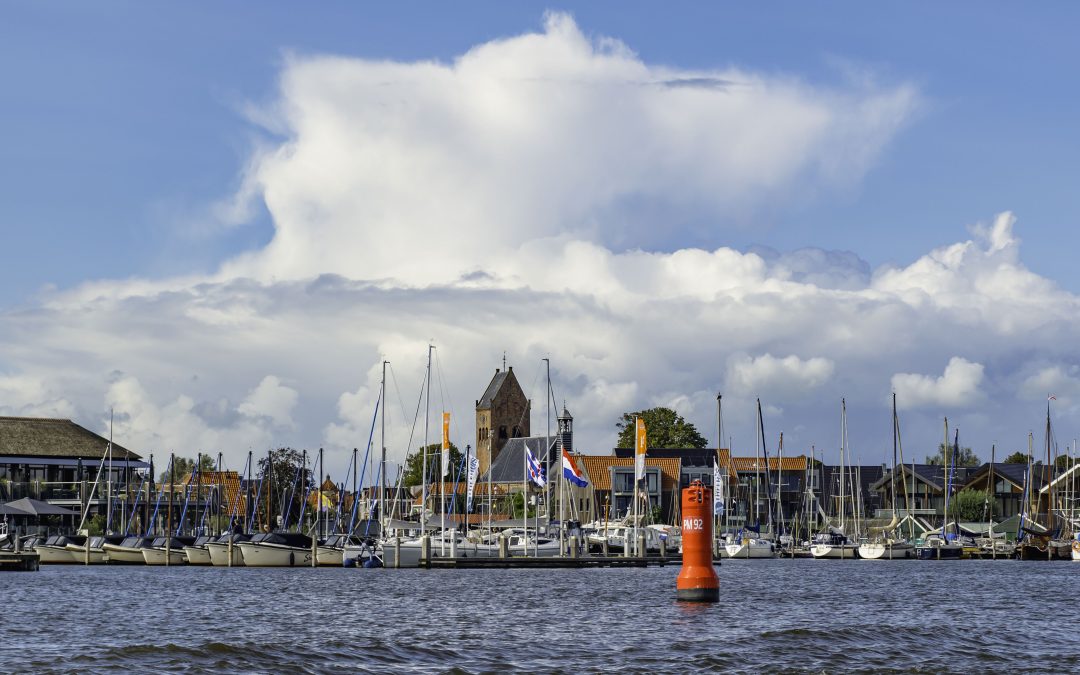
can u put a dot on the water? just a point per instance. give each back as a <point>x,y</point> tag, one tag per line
<point>775,615</point>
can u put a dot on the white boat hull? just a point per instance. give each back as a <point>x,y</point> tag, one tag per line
<point>197,555</point>
<point>55,555</point>
<point>97,555</point>
<point>330,557</point>
<point>274,555</point>
<point>835,551</point>
<point>157,556</point>
<point>122,555</point>
<point>886,551</point>
<point>219,555</point>
<point>749,551</point>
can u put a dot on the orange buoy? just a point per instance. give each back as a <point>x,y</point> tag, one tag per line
<point>697,580</point>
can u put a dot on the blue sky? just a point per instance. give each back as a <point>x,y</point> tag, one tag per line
<point>122,121</point>
<point>874,149</point>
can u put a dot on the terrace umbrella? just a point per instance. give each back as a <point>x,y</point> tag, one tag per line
<point>34,507</point>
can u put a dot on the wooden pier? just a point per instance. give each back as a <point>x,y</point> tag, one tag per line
<point>11,561</point>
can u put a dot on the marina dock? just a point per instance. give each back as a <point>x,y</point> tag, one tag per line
<point>11,561</point>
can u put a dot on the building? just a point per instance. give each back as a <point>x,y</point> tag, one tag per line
<point>612,481</point>
<point>502,413</point>
<point>60,462</point>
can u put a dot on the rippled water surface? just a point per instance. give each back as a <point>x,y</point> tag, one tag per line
<point>774,615</point>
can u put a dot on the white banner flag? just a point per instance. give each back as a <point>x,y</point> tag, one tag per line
<point>718,491</point>
<point>474,471</point>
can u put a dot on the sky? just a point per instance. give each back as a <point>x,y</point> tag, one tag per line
<point>219,220</point>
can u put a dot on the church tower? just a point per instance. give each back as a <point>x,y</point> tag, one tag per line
<point>502,413</point>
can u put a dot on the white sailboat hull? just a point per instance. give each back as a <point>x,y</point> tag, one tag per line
<point>197,555</point>
<point>887,551</point>
<point>157,556</point>
<point>274,555</point>
<point>219,554</point>
<point>750,550</point>
<point>836,551</point>
<point>123,555</point>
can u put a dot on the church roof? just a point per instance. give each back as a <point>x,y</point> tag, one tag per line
<point>493,388</point>
<point>509,466</point>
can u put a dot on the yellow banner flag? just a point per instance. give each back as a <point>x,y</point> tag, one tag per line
<point>445,443</point>
<point>639,455</point>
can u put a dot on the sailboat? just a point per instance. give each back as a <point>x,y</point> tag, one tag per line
<point>834,542</point>
<point>884,546</point>
<point>745,545</point>
<point>940,546</point>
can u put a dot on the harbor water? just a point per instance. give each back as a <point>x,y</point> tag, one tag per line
<point>774,615</point>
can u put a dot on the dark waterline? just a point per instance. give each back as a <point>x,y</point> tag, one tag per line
<point>774,615</point>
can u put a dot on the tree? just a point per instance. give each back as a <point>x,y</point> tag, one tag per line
<point>414,466</point>
<point>289,482</point>
<point>971,505</point>
<point>184,465</point>
<point>1016,458</point>
<point>964,458</point>
<point>664,428</point>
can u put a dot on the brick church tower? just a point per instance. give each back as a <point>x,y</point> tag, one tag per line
<point>502,413</point>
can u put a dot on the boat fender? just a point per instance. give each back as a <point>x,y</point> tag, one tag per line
<point>292,558</point>
<point>1076,546</point>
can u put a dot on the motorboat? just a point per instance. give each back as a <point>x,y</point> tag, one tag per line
<point>167,551</point>
<point>97,550</point>
<point>127,552</point>
<point>937,547</point>
<point>833,545</point>
<point>887,549</point>
<point>54,550</point>
<point>331,551</point>
<point>197,553</point>
<point>219,549</point>
<point>277,549</point>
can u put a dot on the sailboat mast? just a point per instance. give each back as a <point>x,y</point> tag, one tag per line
<point>423,459</point>
<point>382,454</point>
<point>547,483</point>
<point>719,442</point>
<point>843,449</point>
<point>109,482</point>
<point>945,456</point>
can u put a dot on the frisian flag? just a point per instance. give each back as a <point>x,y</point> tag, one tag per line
<point>639,453</point>
<point>571,471</point>
<point>536,472</point>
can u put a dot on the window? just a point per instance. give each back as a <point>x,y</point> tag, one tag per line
<point>502,432</point>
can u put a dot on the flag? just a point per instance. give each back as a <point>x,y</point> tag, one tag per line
<point>571,472</point>
<point>474,471</point>
<point>536,472</point>
<point>718,491</point>
<point>639,456</point>
<point>445,444</point>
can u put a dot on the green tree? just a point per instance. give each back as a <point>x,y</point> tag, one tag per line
<point>286,473</point>
<point>414,466</point>
<point>964,458</point>
<point>1016,458</point>
<point>664,428</point>
<point>971,505</point>
<point>184,465</point>
<point>516,506</point>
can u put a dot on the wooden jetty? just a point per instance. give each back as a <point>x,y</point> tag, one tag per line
<point>11,561</point>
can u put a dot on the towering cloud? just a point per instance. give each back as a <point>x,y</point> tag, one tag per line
<point>516,200</point>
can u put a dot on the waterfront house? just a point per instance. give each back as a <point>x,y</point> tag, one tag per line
<point>59,461</point>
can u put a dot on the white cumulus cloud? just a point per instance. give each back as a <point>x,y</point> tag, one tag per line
<point>957,387</point>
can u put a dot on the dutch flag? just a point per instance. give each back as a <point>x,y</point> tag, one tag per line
<point>571,472</point>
